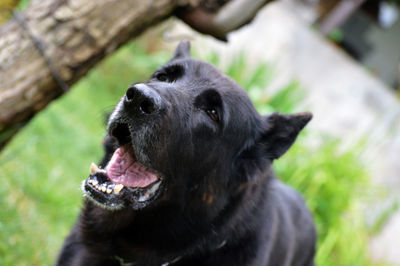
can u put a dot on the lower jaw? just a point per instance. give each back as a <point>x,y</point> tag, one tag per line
<point>111,196</point>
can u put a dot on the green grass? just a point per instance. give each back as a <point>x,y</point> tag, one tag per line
<point>332,183</point>
<point>41,169</point>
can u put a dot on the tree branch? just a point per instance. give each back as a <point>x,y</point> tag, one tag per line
<point>76,34</point>
<point>53,43</point>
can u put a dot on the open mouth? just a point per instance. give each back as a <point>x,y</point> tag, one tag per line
<point>124,181</point>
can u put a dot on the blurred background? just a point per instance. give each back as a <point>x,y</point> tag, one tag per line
<point>339,59</point>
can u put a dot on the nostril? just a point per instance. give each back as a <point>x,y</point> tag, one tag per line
<point>142,100</point>
<point>147,106</point>
<point>130,94</point>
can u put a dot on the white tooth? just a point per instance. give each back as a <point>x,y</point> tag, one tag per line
<point>149,193</point>
<point>117,188</point>
<point>95,182</point>
<point>103,188</point>
<point>154,188</point>
<point>94,168</point>
<point>108,190</point>
<point>90,181</point>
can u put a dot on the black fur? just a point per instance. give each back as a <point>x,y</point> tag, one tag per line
<point>220,203</point>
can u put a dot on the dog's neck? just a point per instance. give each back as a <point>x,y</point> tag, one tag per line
<point>173,260</point>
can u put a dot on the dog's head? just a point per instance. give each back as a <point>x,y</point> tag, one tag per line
<point>187,136</point>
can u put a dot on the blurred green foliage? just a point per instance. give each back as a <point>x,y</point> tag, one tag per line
<point>43,166</point>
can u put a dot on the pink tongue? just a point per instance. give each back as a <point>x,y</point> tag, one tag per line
<point>124,169</point>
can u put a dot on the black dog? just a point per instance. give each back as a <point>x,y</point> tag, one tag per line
<point>187,179</point>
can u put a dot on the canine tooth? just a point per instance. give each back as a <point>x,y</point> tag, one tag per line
<point>117,188</point>
<point>153,189</point>
<point>94,168</point>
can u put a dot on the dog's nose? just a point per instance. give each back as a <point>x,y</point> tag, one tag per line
<point>143,99</point>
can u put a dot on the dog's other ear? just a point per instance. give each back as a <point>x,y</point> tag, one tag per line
<point>282,131</point>
<point>276,134</point>
<point>183,49</point>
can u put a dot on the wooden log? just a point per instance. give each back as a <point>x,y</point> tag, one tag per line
<point>75,35</point>
<point>53,43</point>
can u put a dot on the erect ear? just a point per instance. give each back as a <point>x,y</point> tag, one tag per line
<point>183,49</point>
<point>282,131</point>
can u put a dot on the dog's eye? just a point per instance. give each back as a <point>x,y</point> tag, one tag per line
<point>162,77</point>
<point>213,114</point>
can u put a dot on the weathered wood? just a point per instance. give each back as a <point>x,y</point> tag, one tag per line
<point>76,34</point>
